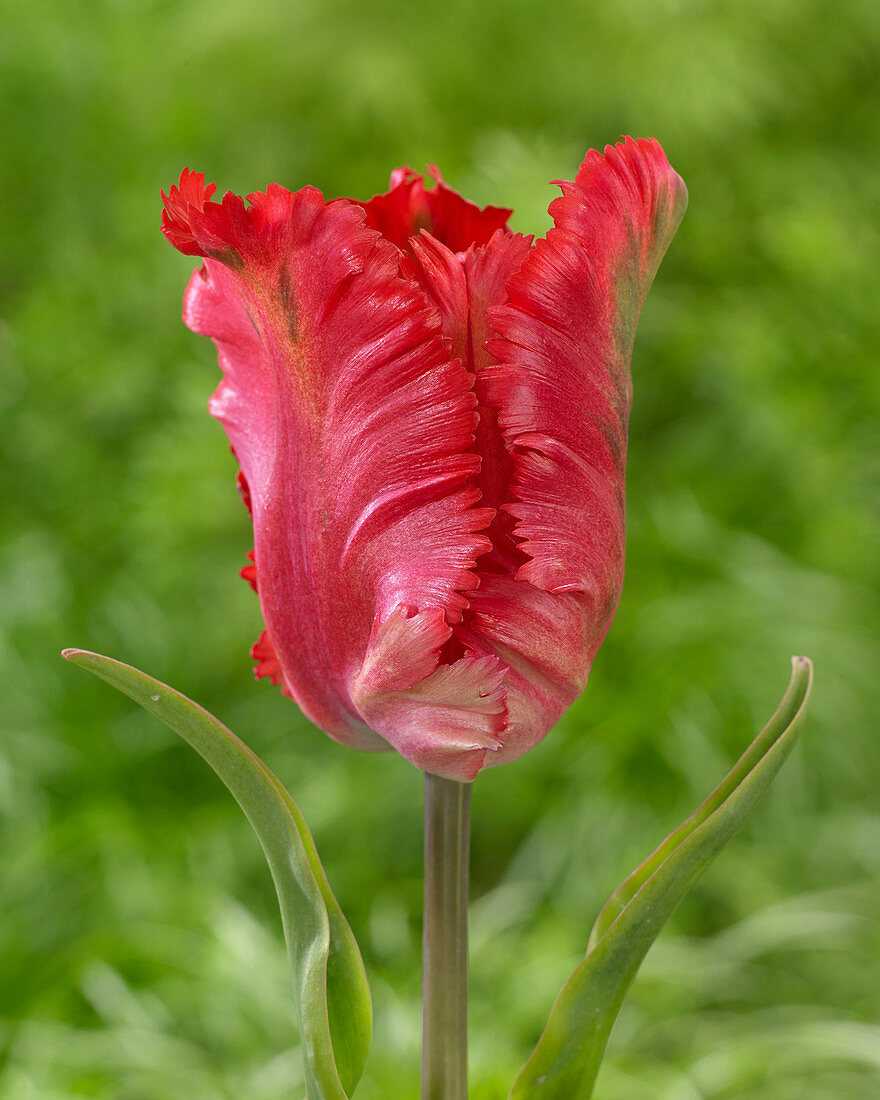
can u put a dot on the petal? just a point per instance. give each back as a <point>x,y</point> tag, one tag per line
<point>267,663</point>
<point>561,392</point>
<point>543,639</point>
<point>546,642</point>
<point>409,206</point>
<point>562,383</point>
<point>190,193</point>
<point>445,718</point>
<point>244,491</point>
<point>353,428</point>
<point>488,270</point>
<point>465,287</point>
<point>249,572</point>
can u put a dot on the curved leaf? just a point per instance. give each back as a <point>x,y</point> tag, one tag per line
<point>333,1000</point>
<point>566,1060</point>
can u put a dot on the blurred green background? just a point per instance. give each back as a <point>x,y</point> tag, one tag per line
<point>140,953</point>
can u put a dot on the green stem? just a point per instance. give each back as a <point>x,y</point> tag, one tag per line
<point>444,952</point>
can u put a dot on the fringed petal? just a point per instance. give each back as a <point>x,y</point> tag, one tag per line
<point>562,383</point>
<point>464,287</point>
<point>190,194</point>
<point>488,270</point>
<point>249,572</point>
<point>244,491</point>
<point>539,638</point>
<point>560,390</point>
<point>409,206</point>
<point>266,662</point>
<point>354,432</point>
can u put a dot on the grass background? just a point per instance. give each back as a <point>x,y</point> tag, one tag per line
<point>140,954</point>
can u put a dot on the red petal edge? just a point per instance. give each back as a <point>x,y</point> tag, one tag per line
<point>267,663</point>
<point>189,195</point>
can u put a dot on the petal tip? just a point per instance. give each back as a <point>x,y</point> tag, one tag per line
<point>190,195</point>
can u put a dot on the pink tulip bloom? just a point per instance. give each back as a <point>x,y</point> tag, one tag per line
<point>430,416</point>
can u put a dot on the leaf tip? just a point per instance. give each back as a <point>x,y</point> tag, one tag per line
<point>85,658</point>
<point>78,656</point>
<point>802,670</point>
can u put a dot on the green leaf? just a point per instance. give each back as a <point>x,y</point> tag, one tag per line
<point>565,1062</point>
<point>333,999</point>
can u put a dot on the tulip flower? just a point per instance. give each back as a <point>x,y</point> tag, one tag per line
<point>430,416</point>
